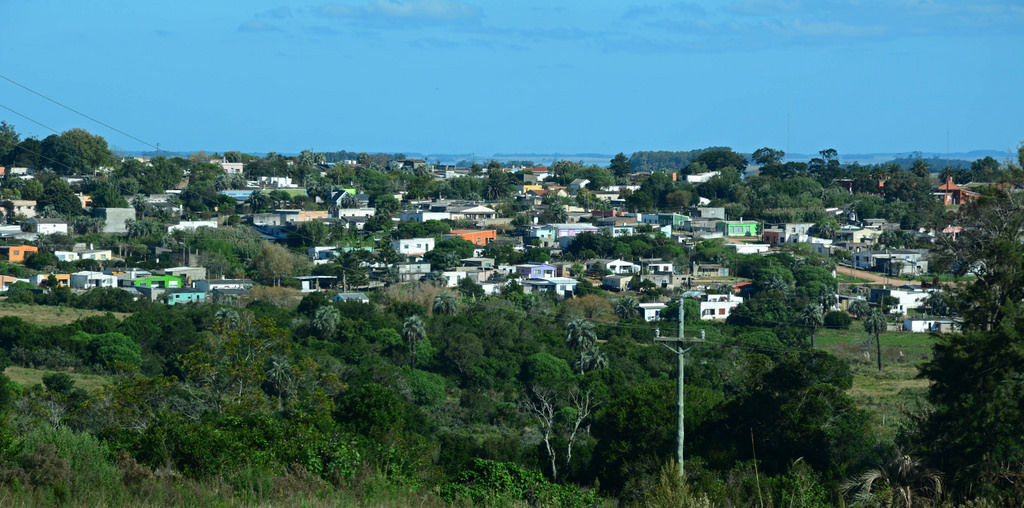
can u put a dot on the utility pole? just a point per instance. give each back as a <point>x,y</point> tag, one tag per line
<point>678,342</point>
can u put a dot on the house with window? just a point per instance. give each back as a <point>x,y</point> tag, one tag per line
<point>412,272</point>
<point>738,227</point>
<point>18,253</point>
<point>184,295</point>
<point>472,212</point>
<point>893,261</point>
<point>47,226</point>
<point>652,311</point>
<point>210,285</point>
<point>476,236</point>
<point>561,286</point>
<point>413,246</point>
<point>903,299</point>
<point>89,279</point>
<point>422,215</point>
<point>536,270</point>
<point>6,281</point>
<point>616,282</point>
<point>952,194</point>
<point>718,307</point>
<point>20,207</point>
<point>41,279</point>
<point>157,281</point>
<point>708,270</point>
<point>621,267</point>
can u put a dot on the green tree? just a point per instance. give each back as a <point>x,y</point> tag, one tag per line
<point>858,308</point>
<point>58,194</point>
<point>974,433</point>
<point>628,308</point>
<point>445,303</point>
<point>273,263</point>
<point>325,321</point>
<point>414,331</point>
<point>812,318</point>
<point>620,166</point>
<point>875,324</point>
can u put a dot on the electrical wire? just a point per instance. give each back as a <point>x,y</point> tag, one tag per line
<point>37,122</point>
<point>73,110</point>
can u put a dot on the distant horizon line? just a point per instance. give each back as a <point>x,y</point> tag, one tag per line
<point>589,156</point>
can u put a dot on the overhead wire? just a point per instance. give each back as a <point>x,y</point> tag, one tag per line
<point>73,110</point>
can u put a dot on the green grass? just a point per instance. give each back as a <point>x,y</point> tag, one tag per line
<point>45,315</point>
<point>888,395</point>
<point>27,377</point>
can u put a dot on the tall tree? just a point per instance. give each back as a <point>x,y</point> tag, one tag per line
<point>875,324</point>
<point>414,331</point>
<point>620,166</point>
<point>812,319</point>
<point>445,303</point>
<point>628,308</point>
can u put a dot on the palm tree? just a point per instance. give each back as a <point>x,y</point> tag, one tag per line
<point>875,324</point>
<point>414,331</point>
<point>325,321</point>
<point>279,374</point>
<point>858,308</point>
<point>628,308</point>
<point>812,318</point>
<point>827,299</point>
<point>259,201</point>
<point>445,303</point>
<point>909,483</point>
<point>580,335</point>
<point>591,359</point>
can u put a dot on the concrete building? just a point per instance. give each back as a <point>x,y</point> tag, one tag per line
<point>116,219</point>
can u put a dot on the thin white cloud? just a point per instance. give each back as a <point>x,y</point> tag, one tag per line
<point>410,9</point>
<point>282,12</point>
<point>255,25</point>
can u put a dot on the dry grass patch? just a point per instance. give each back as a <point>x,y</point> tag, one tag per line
<point>45,315</point>
<point>30,377</point>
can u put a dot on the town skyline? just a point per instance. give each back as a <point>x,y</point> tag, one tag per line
<point>434,76</point>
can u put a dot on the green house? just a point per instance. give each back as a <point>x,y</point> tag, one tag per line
<point>158,281</point>
<point>737,227</point>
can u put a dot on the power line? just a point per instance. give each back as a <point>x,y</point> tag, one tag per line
<point>30,119</point>
<point>69,108</point>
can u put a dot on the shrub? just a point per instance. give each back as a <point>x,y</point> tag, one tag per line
<point>837,320</point>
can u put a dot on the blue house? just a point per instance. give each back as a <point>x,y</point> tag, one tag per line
<point>185,295</point>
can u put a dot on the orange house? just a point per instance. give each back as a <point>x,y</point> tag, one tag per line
<point>19,252</point>
<point>478,237</point>
<point>952,194</point>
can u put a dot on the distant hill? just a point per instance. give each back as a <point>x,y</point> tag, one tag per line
<point>935,161</point>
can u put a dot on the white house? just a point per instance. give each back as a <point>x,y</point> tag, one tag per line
<point>413,246</point>
<point>191,225</point>
<point>718,307</point>
<point>905,299</point>
<point>89,280</point>
<point>422,216</point>
<point>47,226</point>
<point>231,168</point>
<point>652,311</point>
<point>620,267</point>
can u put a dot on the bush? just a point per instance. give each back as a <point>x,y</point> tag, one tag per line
<point>837,320</point>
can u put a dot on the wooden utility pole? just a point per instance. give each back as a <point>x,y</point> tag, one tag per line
<point>680,352</point>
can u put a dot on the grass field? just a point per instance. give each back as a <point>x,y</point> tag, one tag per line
<point>49,316</point>
<point>894,391</point>
<point>30,377</point>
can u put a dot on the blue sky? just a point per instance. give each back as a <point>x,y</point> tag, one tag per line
<point>438,76</point>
